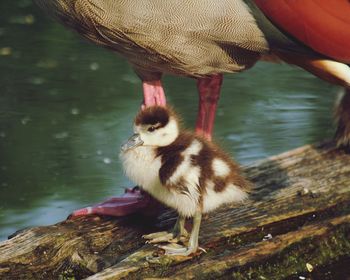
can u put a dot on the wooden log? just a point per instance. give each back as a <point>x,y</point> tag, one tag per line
<point>296,223</point>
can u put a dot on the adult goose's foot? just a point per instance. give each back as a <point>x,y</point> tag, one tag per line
<point>132,201</point>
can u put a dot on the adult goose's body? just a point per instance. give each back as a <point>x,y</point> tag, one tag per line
<point>191,38</point>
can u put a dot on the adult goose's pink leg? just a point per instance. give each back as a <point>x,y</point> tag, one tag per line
<point>134,199</point>
<point>209,93</point>
<point>153,94</point>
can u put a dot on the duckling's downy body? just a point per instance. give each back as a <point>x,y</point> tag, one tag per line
<point>187,174</point>
<point>181,169</point>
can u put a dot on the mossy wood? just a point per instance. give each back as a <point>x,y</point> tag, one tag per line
<point>297,222</point>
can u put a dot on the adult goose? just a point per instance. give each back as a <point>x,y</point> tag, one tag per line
<point>203,39</point>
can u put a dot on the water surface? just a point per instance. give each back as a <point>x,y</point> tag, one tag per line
<point>66,106</point>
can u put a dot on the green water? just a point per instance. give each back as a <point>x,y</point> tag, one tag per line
<point>66,106</point>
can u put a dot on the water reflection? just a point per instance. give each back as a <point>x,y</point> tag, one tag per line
<point>66,106</point>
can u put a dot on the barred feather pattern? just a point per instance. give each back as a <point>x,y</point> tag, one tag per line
<point>191,38</point>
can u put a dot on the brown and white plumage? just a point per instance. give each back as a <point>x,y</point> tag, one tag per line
<point>179,168</point>
<point>219,36</point>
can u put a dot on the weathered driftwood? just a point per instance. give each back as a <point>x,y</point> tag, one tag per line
<point>300,204</point>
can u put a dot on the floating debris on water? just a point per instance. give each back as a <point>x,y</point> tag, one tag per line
<point>75,111</point>
<point>27,19</point>
<point>53,91</point>
<point>37,80</point>
<point>25,120</point>
<point>47,63</point>
<point>107,160</point>
<point>94,66</point>
<point>5,51</point>
<point>61,135</point>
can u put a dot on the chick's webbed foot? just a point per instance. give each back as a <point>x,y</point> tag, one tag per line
<point>192,247</point>
<point>178,250</point>
<point>178,233</point>
<point>159,237</point>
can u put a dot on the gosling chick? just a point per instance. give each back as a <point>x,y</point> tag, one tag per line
<point>182,170</point>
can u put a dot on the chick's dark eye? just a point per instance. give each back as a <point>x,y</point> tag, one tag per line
<point>151,129</point>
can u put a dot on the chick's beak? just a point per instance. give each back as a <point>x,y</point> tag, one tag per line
<point>133,142</point>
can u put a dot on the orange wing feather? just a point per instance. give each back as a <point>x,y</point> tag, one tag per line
<point>323,25</point>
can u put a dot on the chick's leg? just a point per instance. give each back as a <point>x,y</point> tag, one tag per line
<point>175,235</point>
<point>179,228</point>
<point>193,242</point>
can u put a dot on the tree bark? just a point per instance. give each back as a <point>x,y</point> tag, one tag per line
<point>296,223</point>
